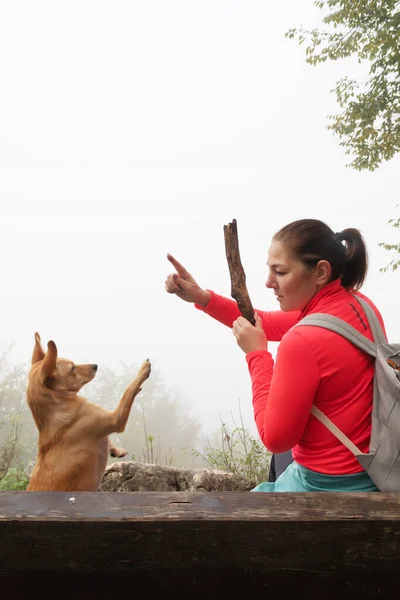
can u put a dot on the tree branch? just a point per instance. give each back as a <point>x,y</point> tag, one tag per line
<point>238,278</point>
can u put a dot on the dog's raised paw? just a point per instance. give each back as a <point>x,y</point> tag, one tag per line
<point>145,370</point>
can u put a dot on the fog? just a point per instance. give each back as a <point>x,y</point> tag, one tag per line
<point>132,129</point>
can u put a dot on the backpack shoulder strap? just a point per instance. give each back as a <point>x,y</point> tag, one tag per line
<point>358,339</point>
<point>342,328</point>
<point>338,433</point>
<point>373,321</point>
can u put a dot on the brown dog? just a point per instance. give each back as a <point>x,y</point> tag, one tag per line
<point>73,443</point>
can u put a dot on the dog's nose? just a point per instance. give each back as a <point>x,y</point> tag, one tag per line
<point>94,367</point>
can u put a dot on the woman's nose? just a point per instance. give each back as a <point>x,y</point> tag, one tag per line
<point>270,283</point>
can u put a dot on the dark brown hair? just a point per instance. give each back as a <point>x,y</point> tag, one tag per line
<point>311,240</point>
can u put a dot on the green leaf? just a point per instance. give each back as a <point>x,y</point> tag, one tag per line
<point>369,125</point>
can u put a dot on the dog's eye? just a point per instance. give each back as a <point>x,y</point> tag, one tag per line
<point>73,368</point>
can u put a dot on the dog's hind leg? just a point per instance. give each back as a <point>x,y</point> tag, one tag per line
<point>115,451</point>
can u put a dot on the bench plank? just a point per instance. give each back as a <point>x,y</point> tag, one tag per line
<point>201,543</point>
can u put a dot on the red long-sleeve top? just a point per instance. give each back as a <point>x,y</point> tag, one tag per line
<point>313,365</point>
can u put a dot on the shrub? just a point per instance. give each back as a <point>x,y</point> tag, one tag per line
<point>15,479</point>
<point>236,451</point>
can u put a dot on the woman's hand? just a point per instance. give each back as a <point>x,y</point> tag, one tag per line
<point>184,286</point>
<point>248,337</point>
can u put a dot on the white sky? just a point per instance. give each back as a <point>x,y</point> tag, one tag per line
<point>132,129</point>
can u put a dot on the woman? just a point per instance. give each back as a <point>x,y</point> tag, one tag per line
<point>311,270</point>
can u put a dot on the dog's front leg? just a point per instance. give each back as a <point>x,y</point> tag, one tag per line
<point>121,413</point>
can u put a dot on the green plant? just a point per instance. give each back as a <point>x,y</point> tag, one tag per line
<point>395,262</point>
<point>15,479</point>
<point>237,451</point>
<point>369,125</point>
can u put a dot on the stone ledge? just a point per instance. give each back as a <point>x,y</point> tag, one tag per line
<point>128,476</point>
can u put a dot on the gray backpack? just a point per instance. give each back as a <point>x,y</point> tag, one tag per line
<point>382,463</point>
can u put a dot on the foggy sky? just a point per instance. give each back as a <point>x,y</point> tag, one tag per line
<point>133,129</point>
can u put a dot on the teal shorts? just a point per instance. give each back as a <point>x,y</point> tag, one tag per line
<point>299,479</point>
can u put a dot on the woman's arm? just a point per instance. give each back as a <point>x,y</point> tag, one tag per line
<point>283,394</point>
<point>226,311</point>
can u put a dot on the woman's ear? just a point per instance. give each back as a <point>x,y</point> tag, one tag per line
<point>324,272</point>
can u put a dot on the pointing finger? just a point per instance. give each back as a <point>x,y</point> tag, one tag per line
<point>180,269</point>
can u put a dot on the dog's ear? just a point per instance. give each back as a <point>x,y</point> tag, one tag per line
<point>38,353</point>
<point>49,362</point>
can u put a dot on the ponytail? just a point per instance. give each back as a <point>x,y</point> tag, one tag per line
<point>355,268</point>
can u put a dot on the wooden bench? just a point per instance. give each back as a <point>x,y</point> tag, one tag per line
<point>172,545</point>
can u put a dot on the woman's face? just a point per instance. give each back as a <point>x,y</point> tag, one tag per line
<point>294,283</point>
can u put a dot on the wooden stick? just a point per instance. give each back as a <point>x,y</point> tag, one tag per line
<point>238,277</point>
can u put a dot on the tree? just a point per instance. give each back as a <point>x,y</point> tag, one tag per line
<point>159,429</point>
<point>395,262</point>
<point>369,126</point>
<point>16,424</point>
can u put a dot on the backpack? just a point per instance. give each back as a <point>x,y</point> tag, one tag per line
<point>382,463</point>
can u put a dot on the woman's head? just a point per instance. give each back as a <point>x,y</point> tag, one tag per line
<point>306,255</point>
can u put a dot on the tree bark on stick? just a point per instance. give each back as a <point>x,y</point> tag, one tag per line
<point>238,277</point>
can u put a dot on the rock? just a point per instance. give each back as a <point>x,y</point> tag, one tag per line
<point>128,476</point>
<point>220,481</point>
